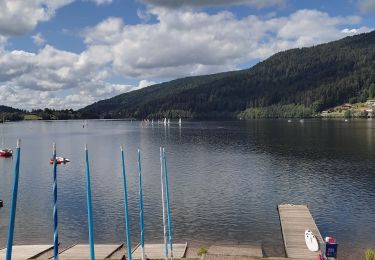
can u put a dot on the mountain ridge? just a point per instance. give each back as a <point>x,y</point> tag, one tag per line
<point>311,78</point>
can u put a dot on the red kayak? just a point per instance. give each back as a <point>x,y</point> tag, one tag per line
<point>6,152</point>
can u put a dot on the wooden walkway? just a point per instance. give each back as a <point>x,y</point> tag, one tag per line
<point>82,251</point>
<point>295,219</point>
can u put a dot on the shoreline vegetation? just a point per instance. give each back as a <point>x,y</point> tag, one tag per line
<point>347,110</point>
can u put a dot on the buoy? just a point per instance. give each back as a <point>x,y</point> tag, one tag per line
<point>1,203</point>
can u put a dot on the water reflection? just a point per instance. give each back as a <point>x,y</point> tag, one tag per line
<point>226,179</point>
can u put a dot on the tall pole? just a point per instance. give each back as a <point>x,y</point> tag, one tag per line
<point>2,133</point>
<point>13,205</point>
<point>89,206</point>
<point>163,203</point>
<point>55,219</point>
<point>168,205</point>
<point>141,205</point>
<point>127,226</point>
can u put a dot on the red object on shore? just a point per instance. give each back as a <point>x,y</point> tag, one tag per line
<point>320,257</point>
<point>6,153</point>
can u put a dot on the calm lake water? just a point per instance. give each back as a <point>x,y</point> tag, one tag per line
<point>226,179</point>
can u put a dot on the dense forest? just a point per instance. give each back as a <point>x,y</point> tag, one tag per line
<point>293,83</point>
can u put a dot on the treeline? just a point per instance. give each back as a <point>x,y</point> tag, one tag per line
<point>314,79</point>
<point>278,111</point>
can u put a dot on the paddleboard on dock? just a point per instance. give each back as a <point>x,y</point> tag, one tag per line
<point>311,241</point>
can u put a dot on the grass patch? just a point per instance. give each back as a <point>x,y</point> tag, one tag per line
<point>370,255</point>
<point>202,251</point>
<point>32,117</point>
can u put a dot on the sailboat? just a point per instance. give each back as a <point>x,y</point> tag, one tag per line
<point>4,152</point>
<point>179,122</point>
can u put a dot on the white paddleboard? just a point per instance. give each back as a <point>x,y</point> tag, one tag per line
<point>311,241</point>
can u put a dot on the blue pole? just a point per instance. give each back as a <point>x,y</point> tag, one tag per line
<point>127,227</point>
<point>168,205</point>
<point>141,205</point>
<point>55,220</point>
<point>163,205</point>
<point>13,205</point>
<point>89,207</point>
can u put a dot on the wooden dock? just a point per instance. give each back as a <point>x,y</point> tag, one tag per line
<point>82,251</point>
<point>295,219</point>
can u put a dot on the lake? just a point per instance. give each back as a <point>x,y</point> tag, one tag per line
<point>226,180</point>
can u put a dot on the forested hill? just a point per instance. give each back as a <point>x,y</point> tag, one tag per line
<point>8,109</point>
<point>297,82</point>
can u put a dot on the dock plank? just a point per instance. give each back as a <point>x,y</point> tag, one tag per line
<point>236,250</point>
<point>295,219</point>
<point>82,251</point>
<point>25,251</point>
<point>156,251</point>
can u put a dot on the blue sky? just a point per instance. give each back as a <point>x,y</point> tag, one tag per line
<point>70,53</point>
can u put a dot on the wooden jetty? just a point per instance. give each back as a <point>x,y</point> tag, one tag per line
<point>295,219</point>
<point>82,252</point>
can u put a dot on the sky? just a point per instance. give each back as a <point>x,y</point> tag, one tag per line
<point>70,53</point>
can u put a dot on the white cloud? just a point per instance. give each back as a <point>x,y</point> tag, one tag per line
<point>366,6</point>
<point>102,2</point>
<point>200,3</point>
<point>18,17</point>
<point>143,15</point>
<point>38,39</point>
<point>180,43</point>
<point>186,42</point>
<point>145,83</point>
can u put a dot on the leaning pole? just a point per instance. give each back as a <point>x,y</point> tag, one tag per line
<point>141,205</point>
<point>127,226</point>
<point>89,206</point>
<point>55,219</point>
<point>163,203</point>
<point>13,204</point>
<point>168,204</point>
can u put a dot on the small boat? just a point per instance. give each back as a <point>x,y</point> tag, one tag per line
<point>59,160</point>
<point>6,152</point>
<point>179,122</point>
<point>289,121</point>
<point>311,241</point>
